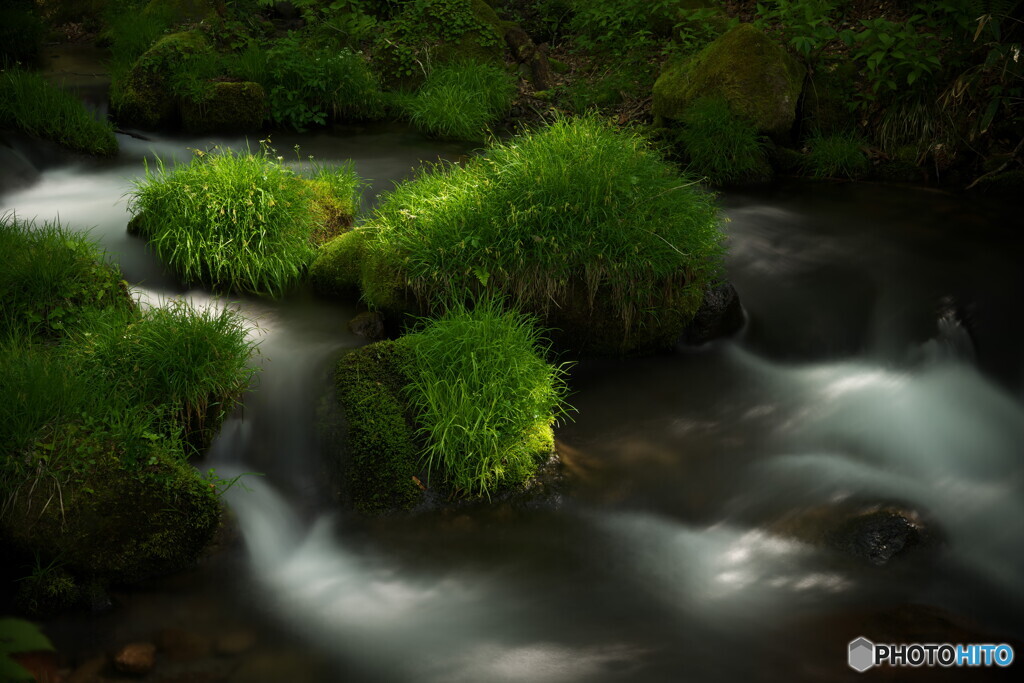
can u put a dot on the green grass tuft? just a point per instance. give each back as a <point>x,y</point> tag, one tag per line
<point>577,222</point>
<point>461,100</point>
<point>721,146</point>
<point>239,221</point>
<point>32,104</point>
<point>483,396</point>
<point>836,156</point>
<point>50,278</point>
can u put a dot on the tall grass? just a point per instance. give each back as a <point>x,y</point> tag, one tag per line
<point>31,103</point>
<point>574,215</point>
<point>238,221</point>
<point>721,146</point>
<point>190,364</point>
<point>483,395</point>
<point>50,277</point>
<point>460,100</point>
<point>132,31</point>
<point>836,156</point>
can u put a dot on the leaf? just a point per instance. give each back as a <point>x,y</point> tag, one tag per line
<point>10,670</point>
<point>18,635</point>
<point>481,275</point>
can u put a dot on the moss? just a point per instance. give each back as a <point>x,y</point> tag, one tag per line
<point>338,267</point>
<point>47,591</point>
<point>380,437</point>
<point>145,98</point>
<point>332,214</point>
<point>112,521</point>
<point>755,75</point>
<point>899,171</point>
<point>226,108</point>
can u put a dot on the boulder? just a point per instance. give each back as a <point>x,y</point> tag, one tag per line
<point>145,98</point>
<point>136,658</point>
<point>759,80</point>
<point>226,108</point>
<point>720,315</point>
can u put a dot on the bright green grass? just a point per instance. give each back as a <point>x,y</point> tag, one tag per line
<point>238,221</point>
<point>30,103</point>
<point>483,395</point>
<point>721,146</point>
<point>836,156</point>
<point>190,364</point>
<point>460,100</point>
<point>577,214</point>
<point>49,277</point>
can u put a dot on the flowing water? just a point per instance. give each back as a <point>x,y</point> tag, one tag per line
<point>880,366</point>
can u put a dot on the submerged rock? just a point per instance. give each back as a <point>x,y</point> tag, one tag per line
<point>755,75</point>
<point>369,324</point>
<point>720,315</point>
<point>136,658</point>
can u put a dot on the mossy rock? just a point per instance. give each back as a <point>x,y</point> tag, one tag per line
<point>337,269</point>
<point>899,171</point>
<point>116,524</point>
<point>760,81</point>
<point>379,441</point>
<point>1005,184</point>
<point>226,108</point>
<point>145,98</point>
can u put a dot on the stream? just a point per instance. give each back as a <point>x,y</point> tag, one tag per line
<point>881,365</point>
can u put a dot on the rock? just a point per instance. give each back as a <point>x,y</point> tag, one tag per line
<point>720,315</point>
<point>369,324</point>
<point>759,80</point>
<point>877,536</point>
<point>145,98</point>
<point>235,643</point>
<point>136,658</point>
<point>226,108</point>
<point>16,171</point>
<point>183,646</point>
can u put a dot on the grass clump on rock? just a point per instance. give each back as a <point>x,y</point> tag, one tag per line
<point>241,221</point>
<point>721,146</point>
<point>466,402</point>
<point>836,156</point>
<point>104,404</point>
<point>460,100</point>
<point>32,104</point>
<point>583,225</point>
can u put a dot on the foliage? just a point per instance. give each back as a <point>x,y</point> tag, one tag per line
<point>619,27</point>
<point>50,278</point>
<point>190,364</point>
<point>31,103</point>
<point>16,636</point>
<point>480,390</point>
<point>576,214</point>
<point>807,25</point>
<point>461,100</point>
<point>306,84</point>
<point>131,32</point>
<point>721,146</point>
<point>836,156</point>
<point>236,221</point>
<point>425,31</point>
<point>21,34</point>
<point>895,54</point>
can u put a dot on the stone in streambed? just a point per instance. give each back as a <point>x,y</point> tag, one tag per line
<point>136,658</point>
<point>720,315</point>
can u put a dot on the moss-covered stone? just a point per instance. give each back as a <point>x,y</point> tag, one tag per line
<point>1004,184</point>
<point>226,108</point>
<point>145,98</point>
<point>337,269</point>
<point>112,522</point>
<point>379,444</point>
<point>755,75</point>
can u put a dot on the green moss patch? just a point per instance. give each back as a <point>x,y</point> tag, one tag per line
<point>753,74</point>
<point>226,107</point>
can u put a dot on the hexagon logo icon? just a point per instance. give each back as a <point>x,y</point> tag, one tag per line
<point>862,654</point>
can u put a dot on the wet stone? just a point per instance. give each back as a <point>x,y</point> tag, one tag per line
<point>136,658</point>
